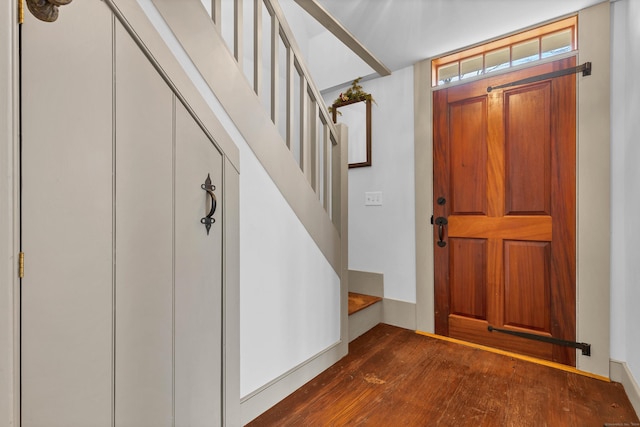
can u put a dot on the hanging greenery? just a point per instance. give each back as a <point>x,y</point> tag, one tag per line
<point>354,93</point>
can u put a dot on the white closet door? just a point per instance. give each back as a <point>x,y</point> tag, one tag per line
<point>66,348</point>
<point>144,241</point>
<point>121,301</point>
<point>198,278</point>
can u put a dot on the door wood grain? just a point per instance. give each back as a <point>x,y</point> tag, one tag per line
<point>505,161</point>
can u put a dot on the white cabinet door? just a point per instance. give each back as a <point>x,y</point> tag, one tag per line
<point>198,278</point>
<point>144,236</point>
<point>168,269</point>
<point>122,297</point>
<point>66,304</point>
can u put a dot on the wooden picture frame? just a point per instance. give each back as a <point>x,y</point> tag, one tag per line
<point>356,114</point>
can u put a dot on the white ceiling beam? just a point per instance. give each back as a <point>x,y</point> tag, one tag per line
<point>315,9</point>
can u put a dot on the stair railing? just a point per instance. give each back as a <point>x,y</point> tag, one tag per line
<point>262,43</point>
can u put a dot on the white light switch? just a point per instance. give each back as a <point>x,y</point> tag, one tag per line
<point>373,198</point>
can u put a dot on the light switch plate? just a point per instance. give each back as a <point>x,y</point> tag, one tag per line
<point>373,198</point>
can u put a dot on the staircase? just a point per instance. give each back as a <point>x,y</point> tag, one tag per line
<point>247,57</point>
<point>365,312</point>
<point>365,301</point>
<point>261,79</point>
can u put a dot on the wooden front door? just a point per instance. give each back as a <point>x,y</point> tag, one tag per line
<point>505,210</point>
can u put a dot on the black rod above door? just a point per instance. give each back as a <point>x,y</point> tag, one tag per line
<point>585,69</point>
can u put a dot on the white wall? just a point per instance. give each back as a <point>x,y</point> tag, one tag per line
<point>381,238</point>
<point>289,293</point>
<point>325,72</point>
<point>329,61</point>
<point>304,27</point>
<point>625,182</point>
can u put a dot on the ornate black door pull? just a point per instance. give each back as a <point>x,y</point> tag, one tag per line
<point>209,188</point>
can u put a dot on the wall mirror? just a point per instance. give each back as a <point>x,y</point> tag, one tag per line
<point>356,114</point>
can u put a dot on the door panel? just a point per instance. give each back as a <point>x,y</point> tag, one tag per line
<point>469,285</point>
<point>198,278</point>
<point>527,303</point>
<point>468,124</point>
<point>528,150</point>
<point>504,162</point>
<point>144,240</point>
<point>66,299</point>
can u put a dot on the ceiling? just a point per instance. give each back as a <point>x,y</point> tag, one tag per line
<point>402,32</point>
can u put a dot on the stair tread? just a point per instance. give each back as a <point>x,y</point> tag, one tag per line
<point>359,302</point>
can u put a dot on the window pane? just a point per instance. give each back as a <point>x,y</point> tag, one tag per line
<point>448,73</point>
<point>556,43</point>
<point>522,48</point>
<point>525,52</point>
<point>471,67</point>
<point>497,60</point>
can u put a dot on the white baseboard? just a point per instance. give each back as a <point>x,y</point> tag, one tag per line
<point>619,372</point>
<point>399,313</point>
<point>394,312</point>
<point>254,404</point>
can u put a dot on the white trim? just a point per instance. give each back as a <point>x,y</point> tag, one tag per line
<point>9,304</point>
<point>620,373</point>
<point>399,313</point>
<point>593,188</point>
<point>335,27</point>
<point>423,158</point>
<point>231,296</point>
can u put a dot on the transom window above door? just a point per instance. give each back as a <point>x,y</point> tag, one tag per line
<point>528,46</point>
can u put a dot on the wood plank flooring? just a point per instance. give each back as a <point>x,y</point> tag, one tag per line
<point>395,377</point>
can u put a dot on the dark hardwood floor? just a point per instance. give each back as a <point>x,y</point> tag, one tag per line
<point>395,377</point>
